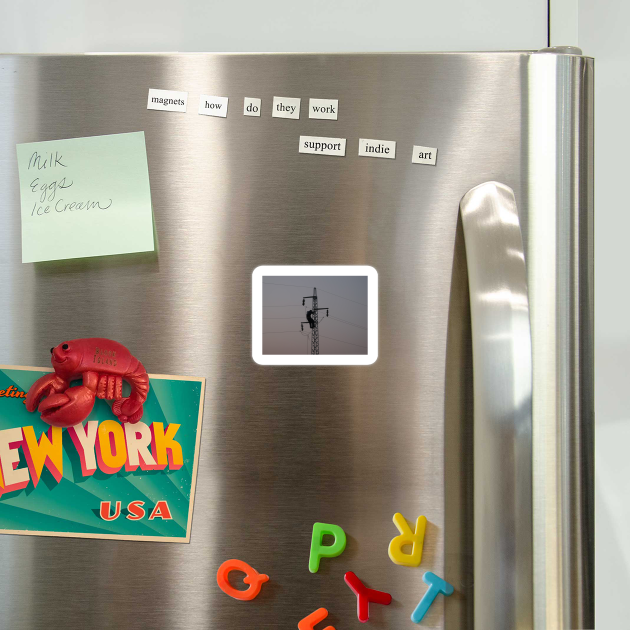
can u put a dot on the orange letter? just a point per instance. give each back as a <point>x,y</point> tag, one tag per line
<point>161,443</point>
<point>111,451</point>
<point>308,623</point>
<point>47,452</point>
<point>252,577</point>
<point>161,511</point>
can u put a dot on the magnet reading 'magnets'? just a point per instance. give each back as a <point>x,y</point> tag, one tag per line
<point>103,364</point>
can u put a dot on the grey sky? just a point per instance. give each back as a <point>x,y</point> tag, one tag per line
<point>343,332</point>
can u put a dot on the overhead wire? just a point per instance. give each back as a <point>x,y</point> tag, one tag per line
<point>341,296</point>
<point>303,286</point>
<point>347,322</point>
<point>278,332</point>
<point>339,340</point>
<point>280,284</point>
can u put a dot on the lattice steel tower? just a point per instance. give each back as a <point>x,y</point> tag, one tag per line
<point>313,320</point>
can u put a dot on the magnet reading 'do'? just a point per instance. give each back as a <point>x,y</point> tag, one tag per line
<point>102,364</point>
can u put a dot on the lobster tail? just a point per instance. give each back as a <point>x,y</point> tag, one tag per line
<point>130,409</point>
<point>139,381</point>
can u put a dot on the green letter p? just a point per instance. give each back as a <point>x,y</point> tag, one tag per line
<point>319,551</point>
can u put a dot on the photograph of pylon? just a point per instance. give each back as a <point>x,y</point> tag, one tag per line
<point>315,315</point>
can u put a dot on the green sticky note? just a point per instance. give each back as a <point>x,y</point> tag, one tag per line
<point>85,197</point>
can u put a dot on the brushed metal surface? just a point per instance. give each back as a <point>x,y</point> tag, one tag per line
<point>502,368</point>
<point>281,447</point>
<point>560,277</point>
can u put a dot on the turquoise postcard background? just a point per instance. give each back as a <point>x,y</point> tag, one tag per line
<point>72,505</point>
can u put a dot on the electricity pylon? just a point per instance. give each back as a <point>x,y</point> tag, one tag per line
<point>311,316</point>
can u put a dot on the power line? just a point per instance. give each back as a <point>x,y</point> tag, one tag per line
<point>298,317</point>
<point>339,340</point>
<point>346,322</point>
<point>280,284</point>
<point>279,332</point>
<point>343,298</point>
<point>278,305</point>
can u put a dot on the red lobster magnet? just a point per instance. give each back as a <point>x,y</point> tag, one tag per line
<point>103,364</point>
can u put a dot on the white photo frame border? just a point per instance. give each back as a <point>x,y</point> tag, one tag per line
<point>314,270</point>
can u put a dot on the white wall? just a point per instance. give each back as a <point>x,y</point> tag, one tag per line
<point>604,27</point>
<point>271,25</point>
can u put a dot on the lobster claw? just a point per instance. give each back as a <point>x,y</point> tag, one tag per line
<point>68,408</point>
<point>43,386</point>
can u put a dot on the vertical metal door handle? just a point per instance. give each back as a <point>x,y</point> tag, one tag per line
<point>502,373</point>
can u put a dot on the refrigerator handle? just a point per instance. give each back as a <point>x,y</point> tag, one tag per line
<point>502,374</point>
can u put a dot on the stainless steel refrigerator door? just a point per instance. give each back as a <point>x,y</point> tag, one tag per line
<point>283,447</point>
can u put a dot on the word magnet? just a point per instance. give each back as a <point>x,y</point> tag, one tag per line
<point>407,537</point>
<point>252,577</point>
<point>167,100</point>
<point>424,155</point>
<point>365,596</point>
<point>251,106</point>
<point>285,107</point>
<point>213,105</point>
<point>436,586</point>
<point>319,550</point>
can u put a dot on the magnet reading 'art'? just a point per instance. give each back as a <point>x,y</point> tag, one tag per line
<point>252,577</point>
<point>407,537</point>
<point>102,364</point>
<point>319,551</point>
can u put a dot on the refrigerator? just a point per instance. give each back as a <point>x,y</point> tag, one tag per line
<point>466,395</point>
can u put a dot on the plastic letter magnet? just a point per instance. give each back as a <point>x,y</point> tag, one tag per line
<point>365,596</point>
<point>436,586</point>
<point>319,551</point>
<point>308,623</point>
<point>407,537</point>
<point>252,577</point>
